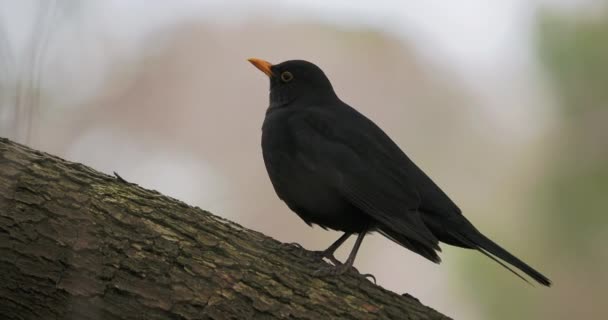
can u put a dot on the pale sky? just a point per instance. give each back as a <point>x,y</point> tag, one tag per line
<point>464,35</point>
<point>476,34</point>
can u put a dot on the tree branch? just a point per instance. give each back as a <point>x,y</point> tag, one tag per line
<point>79,244</point>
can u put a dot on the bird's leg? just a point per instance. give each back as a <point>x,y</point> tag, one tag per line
<point>327,253</point>
<point>343,267</point>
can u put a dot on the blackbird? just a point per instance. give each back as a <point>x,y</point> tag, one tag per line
<point>335,168</point>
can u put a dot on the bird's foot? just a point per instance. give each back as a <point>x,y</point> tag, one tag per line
<point>335,270</point>
<point>298,250</point>
<point>339,269</point>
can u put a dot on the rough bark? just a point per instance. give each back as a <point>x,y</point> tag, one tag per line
<point>79,244</point>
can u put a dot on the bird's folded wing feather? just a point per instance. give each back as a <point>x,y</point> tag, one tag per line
<point>359,168</point>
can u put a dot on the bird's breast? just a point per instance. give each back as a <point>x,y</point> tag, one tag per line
<point>303,186</point>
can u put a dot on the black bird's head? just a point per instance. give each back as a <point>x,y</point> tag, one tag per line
<point>295,80</point>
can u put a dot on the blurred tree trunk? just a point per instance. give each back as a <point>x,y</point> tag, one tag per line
<point>78,244</point>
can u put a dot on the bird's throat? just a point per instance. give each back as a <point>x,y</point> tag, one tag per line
<point>279,99</point>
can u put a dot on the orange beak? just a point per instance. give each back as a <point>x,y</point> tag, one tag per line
<point>263,65</point>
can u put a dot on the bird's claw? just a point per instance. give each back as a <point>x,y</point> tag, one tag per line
<point>340,269</point>
<point>332,270</point>
<point>298,250</point>
<point>292,246</point>
<point>370,276</point>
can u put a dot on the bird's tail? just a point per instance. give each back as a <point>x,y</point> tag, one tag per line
<point>477,240</point>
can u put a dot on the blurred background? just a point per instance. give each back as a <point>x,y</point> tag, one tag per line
<point>504,104</point>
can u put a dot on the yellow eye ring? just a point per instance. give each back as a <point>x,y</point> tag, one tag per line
<point>286,76</point>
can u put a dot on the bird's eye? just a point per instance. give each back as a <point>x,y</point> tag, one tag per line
<point>286,76</point>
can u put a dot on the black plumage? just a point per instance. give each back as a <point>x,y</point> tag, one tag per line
<point>335,168</point>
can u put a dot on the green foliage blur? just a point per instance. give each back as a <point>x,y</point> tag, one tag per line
<point>570,197</point>
<point>574,52</point>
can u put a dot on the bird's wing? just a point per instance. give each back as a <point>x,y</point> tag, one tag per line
<point>354,161</point>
